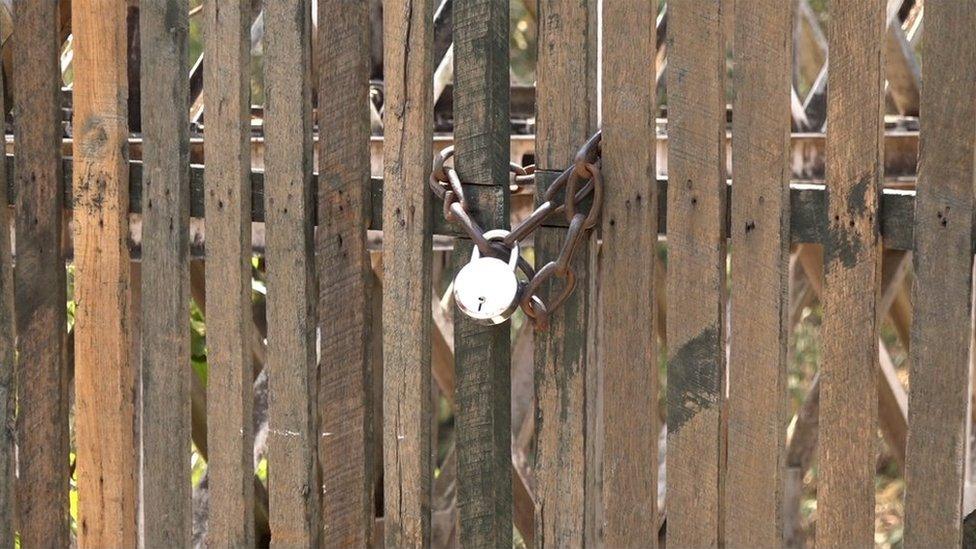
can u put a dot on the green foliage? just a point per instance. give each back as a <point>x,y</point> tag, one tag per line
<point>198,342</point>
<point>522,43</point>
<point>198,467</point>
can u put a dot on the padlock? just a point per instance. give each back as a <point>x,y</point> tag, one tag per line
<point>487,289</point>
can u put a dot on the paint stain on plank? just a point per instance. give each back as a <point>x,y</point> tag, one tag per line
<point>694,378</point>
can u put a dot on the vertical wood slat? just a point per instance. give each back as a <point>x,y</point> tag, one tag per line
<point>163,28</point>
<point>292,444</point>
<point>345,400</point>
<point>483,353</point>
<point>696,271</point>
<point>230,431</point>
<point>852,276</point>
<point>566,113</point>
<point>628,263</point>
<point>760,275</point>
<point>937,408</point>
<point>7,362</point>
<point>408,124</point>
<point>39,279</point>
<point>104,375</point>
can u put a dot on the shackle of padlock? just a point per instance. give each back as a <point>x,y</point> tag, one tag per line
<point>487,289</point>
<point>498,235</point>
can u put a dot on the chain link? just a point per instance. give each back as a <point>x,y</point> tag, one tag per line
<point>581,181</point>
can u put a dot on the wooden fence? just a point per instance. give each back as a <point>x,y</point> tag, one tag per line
<point>334,378</point>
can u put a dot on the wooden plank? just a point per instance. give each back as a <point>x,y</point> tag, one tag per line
<point>230,427</point>
<point>943,281</point>
<point>292,444</point>
<point>408,128</point>
<point>696,272</point>
<point>760,225</point>
<point>39,280</point>
<point>8,395</point>
<point>629,264</point>
<point>566,115</point>
<point>105,389</point>
<point>346,445</point>
<point>163,27</point>
<point>852,276</point>
<point>483,353</point>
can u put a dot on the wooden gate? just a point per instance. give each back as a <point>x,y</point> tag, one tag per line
<point>259,344</point>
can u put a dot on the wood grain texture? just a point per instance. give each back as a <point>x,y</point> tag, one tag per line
<point>566,110</point>
<point>483,353</point>
<point>347,439</point>
<point>852,276</point>
<point>696,271</point>
<point>166,371</point>
<point>39,279</point>
<point>940,337</point>
<point>757,405</point>
<point>629,264</point>
<point>408,125</point>
<point>230,428</point>
<point>105,390</point>
<point>8,365</point>
<point>292,441</point>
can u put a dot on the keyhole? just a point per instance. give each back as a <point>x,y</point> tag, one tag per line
<point>481,303</point>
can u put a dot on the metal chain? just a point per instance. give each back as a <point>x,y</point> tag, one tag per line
<point>580,182</point>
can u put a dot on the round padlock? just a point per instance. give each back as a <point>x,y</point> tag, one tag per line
<point>487,289</point>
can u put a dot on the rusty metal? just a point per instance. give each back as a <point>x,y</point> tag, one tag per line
<point>580,182</point>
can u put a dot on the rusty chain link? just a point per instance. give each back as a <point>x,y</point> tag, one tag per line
<point>581,181</point>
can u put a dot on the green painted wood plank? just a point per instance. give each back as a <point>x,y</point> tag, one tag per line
<point>482,354</point>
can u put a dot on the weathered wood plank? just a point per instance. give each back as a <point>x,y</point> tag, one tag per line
<point>696,271</point>
<point>937,408</point>
<point>408,127</point>
<point>566,111</point>
<point>8,390</point>
<point>483,353</point>
<point>760,229</point>
<point>230,430</point>
<point>292,445</point>
<point>165,358</point>
<point>105,389</point>
<point>629,262</point>
<point>39,279</point>
<point>166,371</point>
<point>346,444</point>
<point>852,276</point>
